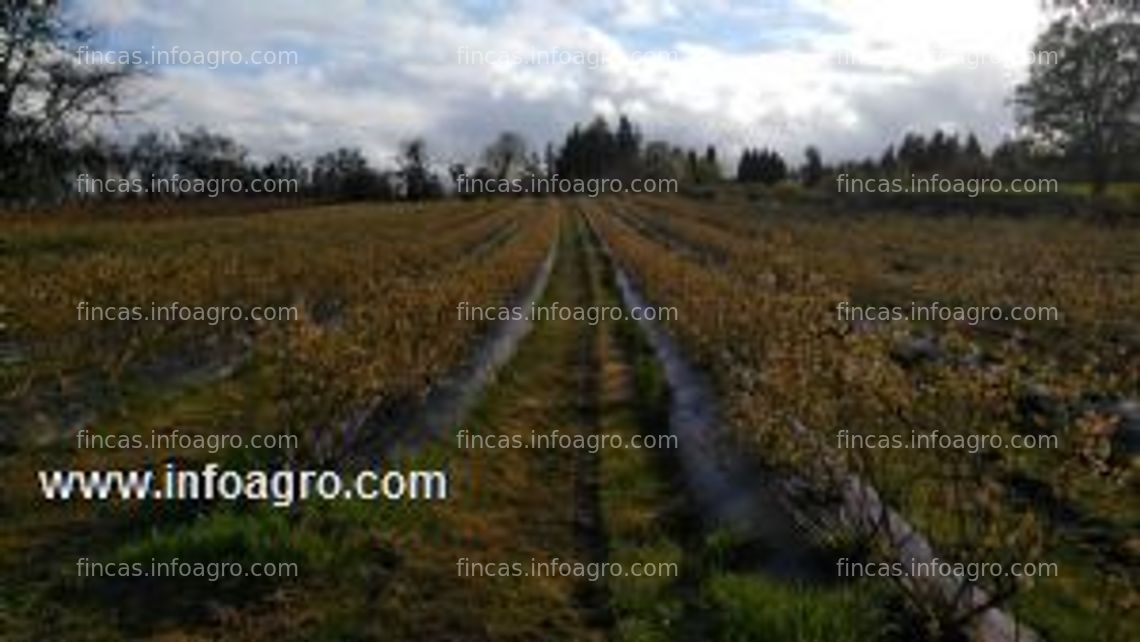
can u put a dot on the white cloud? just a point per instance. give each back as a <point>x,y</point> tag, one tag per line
<point>113,12</point>
<point>375,73</point>
<point>643,13</point>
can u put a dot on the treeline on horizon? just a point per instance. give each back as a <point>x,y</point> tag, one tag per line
<point>595,150</point>
<point>1071,130</point>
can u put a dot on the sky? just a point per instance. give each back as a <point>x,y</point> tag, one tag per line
<point>849,76</point>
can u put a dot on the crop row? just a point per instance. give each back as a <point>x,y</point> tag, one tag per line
<point>757,298</point>
<point>373,291</point>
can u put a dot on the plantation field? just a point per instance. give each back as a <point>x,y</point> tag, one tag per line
<point>375,292</point>
<point>758,297</point>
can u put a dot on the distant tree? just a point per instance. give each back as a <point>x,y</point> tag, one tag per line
<point>533,165</point>
<point>942,151</point>
<point>286,168</point>
<point>1013,158</point>
<point>774,169</point>
<point>203,154</point>
<point>761,166</point>
<point>154,154</point>
<point>596,151</point>
<point>419,182</point>
<point>589,152</point>
<point>507,155</point>
<point>1086,103</point>
<point>627,141</point>
<point>566,161</point>
<point>813,167</point>
<point>344,174</point>
<point>455,170</point>
<point>888,163</point>
<point>599,150</point>
<point>709,167</point>
<point>745,167</point>
<point>912,154</point>
<point>549,160</point>
<point>973,147</point>
<point>694,166</point>
<point>973,158</point>
<point>102,159</point>
<point>662,160</point>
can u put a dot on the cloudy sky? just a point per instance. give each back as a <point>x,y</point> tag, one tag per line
<point>847,75</point>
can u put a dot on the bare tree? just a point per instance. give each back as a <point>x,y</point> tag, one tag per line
<point>49,94</point>
<point>419,181</point>
<point>508,152</point>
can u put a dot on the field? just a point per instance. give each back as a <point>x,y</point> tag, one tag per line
<point>375,344</point>
<point>784,361</point>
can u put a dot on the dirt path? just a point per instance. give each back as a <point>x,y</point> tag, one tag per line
<point>523,506</point>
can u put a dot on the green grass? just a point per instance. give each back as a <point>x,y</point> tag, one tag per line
<point>749,608</point>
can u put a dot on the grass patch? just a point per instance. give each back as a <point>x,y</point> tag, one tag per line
<point>749,607</point>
